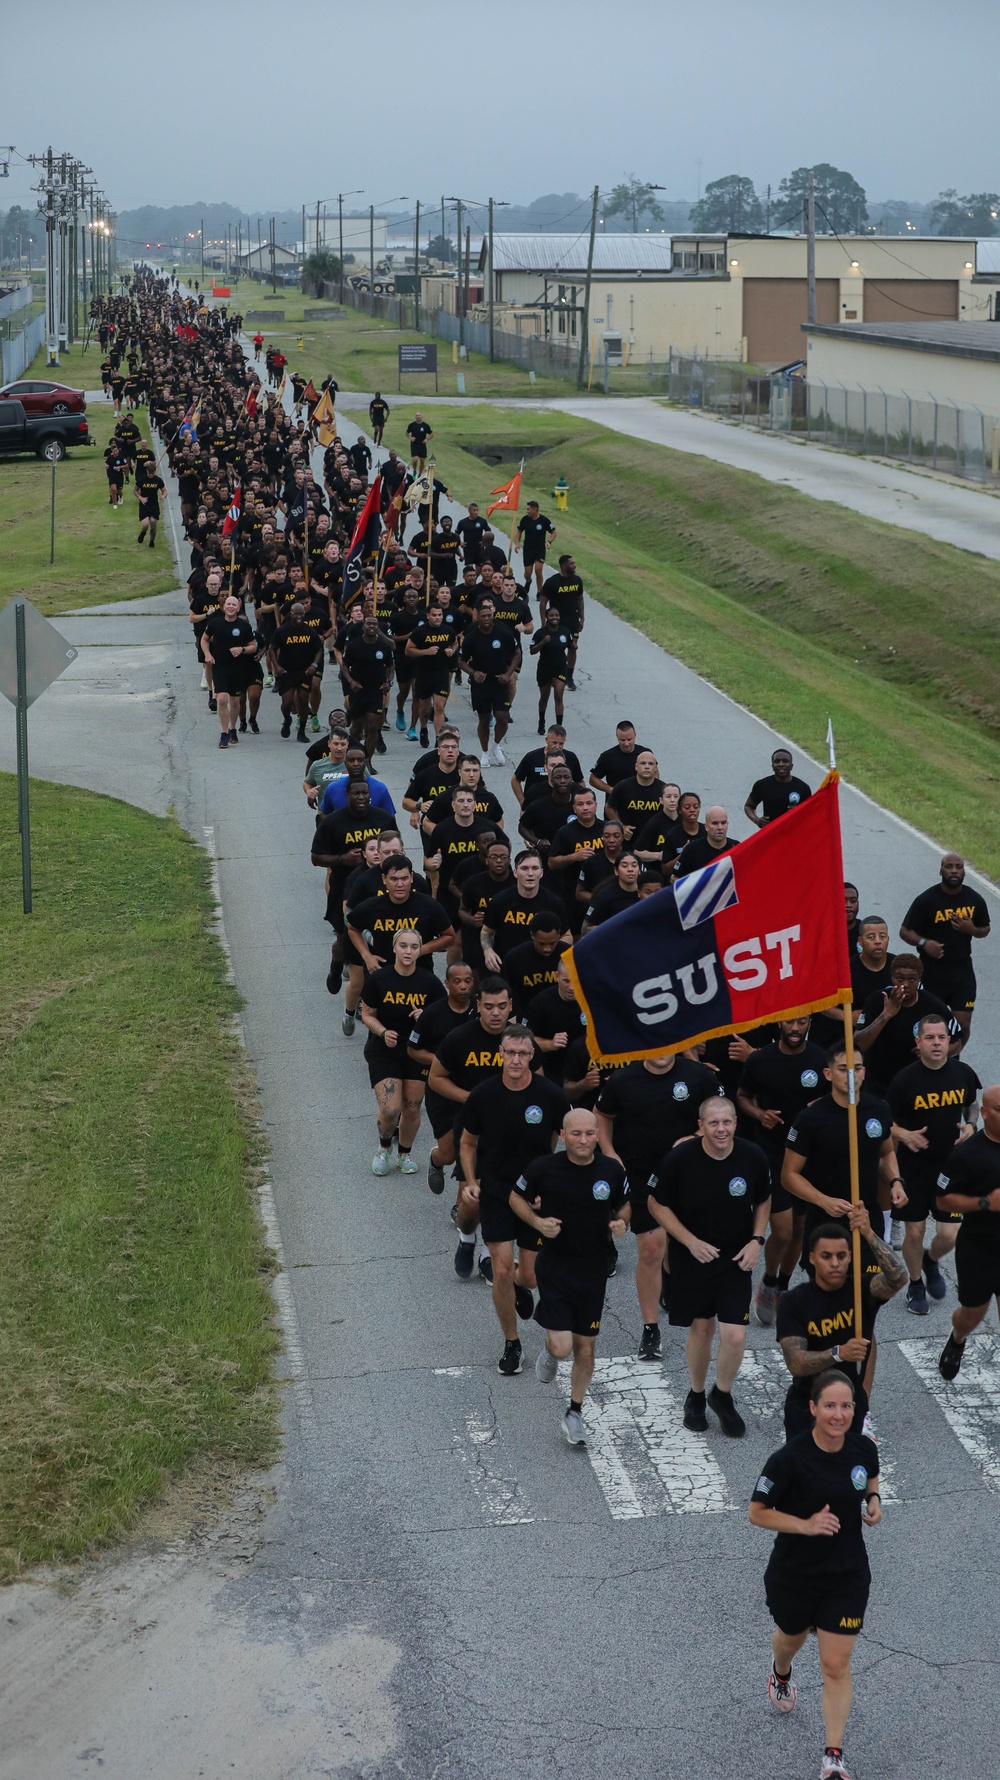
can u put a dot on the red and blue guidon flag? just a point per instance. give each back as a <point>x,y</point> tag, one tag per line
<point>232,518</point>
<point>758,935</point>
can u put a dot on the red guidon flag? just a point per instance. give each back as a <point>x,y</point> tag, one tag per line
<point>758,935</point>
<point>509,496</point>
<point>232,518</point>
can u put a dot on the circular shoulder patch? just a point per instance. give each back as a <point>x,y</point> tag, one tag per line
<point>859,1477</point>
<point>793,797</point>
<point>602,1189</point>
<point>681,1091</point>
<point>533,1115</point>
<point>874,1128</point>
<point>809,1078</point>
<point>737,1186</point>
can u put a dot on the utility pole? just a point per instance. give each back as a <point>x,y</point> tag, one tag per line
<point>811,248</point>
<point>51,295</point>
<point>63,254</point>
<point>458,274</point>
<point>371,259</point>
<point>416,270</point>
<point>581,368</point>
<point>340,234</point>
<point>489,274</point>
<point>274,277</point>
<point>201,232</point>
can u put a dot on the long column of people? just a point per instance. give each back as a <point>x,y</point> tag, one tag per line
<point>730,1162</point>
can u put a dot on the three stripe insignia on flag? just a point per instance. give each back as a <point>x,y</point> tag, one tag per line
<point>703,893</point>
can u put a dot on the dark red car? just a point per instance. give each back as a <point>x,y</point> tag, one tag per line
<point>39,396</point>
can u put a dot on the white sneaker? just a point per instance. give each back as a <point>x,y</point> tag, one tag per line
<point>573,1428</point>
<point>546,1366</point>
<point>407,1165</point>
<point>897,1231</point>
<point>868,1428</point>
<point>782,1694</point>
<point>204,681</point>
<point>486,760</point>
<point>382,1163</point>
<point>497,755</point>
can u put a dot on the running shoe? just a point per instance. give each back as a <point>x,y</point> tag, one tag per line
<point>315,725</point>
<point>348,1024</point>
<point>382,1163</point>
<point>732,1423</point>
<point>897,1233</point>
<point>546,1367</point>
<point>497,755</point>
<point>509,1363</point>
<point>224,740</point>
<point>916,1298</point>
<point>695,1419</point>
<point>612,1260</point>
<point>269,681</point>
<point>937,1285</point>
<point>782,1694</point>
<point>485,761</point>
<point>868,1428</point>
<point>411,734</point>
<point>242,726</point>
<point>573,1428</point>
<point>571,684</point>
<point>380,747</point>
<point>486,1267</point>
<point>833,1768</point>
<point>524,1303</point>
<point>300,734</point>
<point>213,703</point>
<point>204,681</point>
<point>541,726</point>
<point>286,728</point>
<point>254,729</point>
<point>765,1305</point>
<point>952,1355</point>
<point>425,740</point>
<point>400,722</point>
<point>233,738</point>
<point>335,978</point>
<point>407,1165</point>
<point>465,1256</point>
<point>435,1177</point>
<point>649,1346</point>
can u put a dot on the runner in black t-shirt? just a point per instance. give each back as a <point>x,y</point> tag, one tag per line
<point>707,848</point>
<point>508,915</point>
<point>886,1031</point>
<point>576,1202</point>
<point>295,647</point>
<point>563,593</point>
<point>530,968</point>
<point>552,646</point>
<point>712,1197</point>
<point>535,531</point>
<point>816,1167</point>
<point>505,1124</point>
<point>431,647</point>
<point>642,1111</point>
<point>470,535</point>
<point>662,841</point>
<point>378,414</point>
<point>817,1494</point>
<point>229,650</point>
<point>487,655</point>
<point>942,923</point>
<point>969,1184</point>
<point>477,890</point>
<point>571,848</point>
<point>617,894</point>
<point>815,1322</point>
<point>777,793</point>
<point>468,1056</point>
<point>530,773</point>
<point>635,799</point>
<point>437,1023</point>
<point>148,489</point>
<point>933,1103</point>
<point>778,1081</point>
<point>391,1000</point>
<point>618,762</point>
<point>418,432</point>
<point>337,849</point>
<point>366,668</point>
<point>542,817</point>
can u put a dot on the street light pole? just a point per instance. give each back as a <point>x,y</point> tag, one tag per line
<point>582,364</point>
<point>416,271</point>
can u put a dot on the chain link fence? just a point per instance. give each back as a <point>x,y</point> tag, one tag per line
<point>962,442</point>
<point>17,353</point>
<point>547,358</point>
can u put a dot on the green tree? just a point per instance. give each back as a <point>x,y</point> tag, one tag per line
<point>634,199</point>
<point>319,268</point>
<point>441,247</point>
<point>17,222</point>
<point>841,207</point>
<point>975,215</point>
<point>729,204</point>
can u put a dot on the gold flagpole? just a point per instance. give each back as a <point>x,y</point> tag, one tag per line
<point>513,517</point>
<point>852,1139</point>
<point>430,527</point>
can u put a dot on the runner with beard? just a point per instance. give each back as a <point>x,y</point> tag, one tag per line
<point>487,655</point>
<point>778,1081</point>
<point>942,924</point>
<point>294,648</point>
<point>466,1057</point>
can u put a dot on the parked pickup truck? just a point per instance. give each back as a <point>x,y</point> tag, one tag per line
<point>48,435</point>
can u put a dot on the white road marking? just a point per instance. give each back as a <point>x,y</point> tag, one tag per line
<point>643,1457</point>
<point>971,1405</point>
<point>501,1496</point>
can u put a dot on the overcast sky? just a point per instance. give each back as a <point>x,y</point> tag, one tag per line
<point>264,104</point>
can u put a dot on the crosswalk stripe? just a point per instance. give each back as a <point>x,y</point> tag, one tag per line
<point>971,1405</point>
<point>643,1457</point>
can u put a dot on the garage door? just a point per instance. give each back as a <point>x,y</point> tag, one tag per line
<point>911,299</point>
<point>774,310</point>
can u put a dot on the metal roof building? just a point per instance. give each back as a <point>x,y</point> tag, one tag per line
<point>552,255</point>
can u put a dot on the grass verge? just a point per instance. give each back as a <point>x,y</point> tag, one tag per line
<point>136,1331</point>
<point>361,351</point>
<point>97,559</point>
<point>796,608</point>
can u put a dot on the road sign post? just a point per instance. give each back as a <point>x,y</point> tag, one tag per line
<point>414,357</point>
<point>32,655</point>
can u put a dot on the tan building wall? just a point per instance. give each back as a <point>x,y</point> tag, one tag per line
<point>896,370</point>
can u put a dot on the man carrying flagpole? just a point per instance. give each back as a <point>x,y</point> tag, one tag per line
<point>507,498</point>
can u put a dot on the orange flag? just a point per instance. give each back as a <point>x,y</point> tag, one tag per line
<point>309,394</point>
<point>509,496</point>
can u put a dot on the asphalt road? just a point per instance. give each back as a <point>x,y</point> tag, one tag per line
<point>441,1586</point>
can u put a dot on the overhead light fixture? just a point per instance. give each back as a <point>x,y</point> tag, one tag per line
<point>734,262</point>
<point>854,265</point>
<point>968,265</point>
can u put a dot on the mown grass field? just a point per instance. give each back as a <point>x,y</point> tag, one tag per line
<point>797,609</point>
<point>97,559</point>
<point>136,1334</point>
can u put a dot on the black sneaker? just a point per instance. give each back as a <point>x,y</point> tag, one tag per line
<point>721,1403</point>
<point>486,1267</point>
<point>649,1346</point>
<point>335,978</point>
<point>524,1303</point>
<point>243,727</point>
<point>952,1355</point>
<point>465,1255</point>
<point>233,738</point>
<point>380,747</point>
<point>223,740</point>
<point>213,703</point>
<point>425,740</point>
<point>435,1177</point>
<point>286,728</point>
<point>253,726</point>
<point>937,1285</point>
<point>301,733</point>
<point>509,1363</point>
<point>694,1412</point>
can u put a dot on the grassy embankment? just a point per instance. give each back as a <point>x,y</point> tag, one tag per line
<point>136,1334</point>
<point>97,559</point>
<point>796,608</point>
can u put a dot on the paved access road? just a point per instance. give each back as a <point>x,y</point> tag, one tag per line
<point>442,1587</point>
